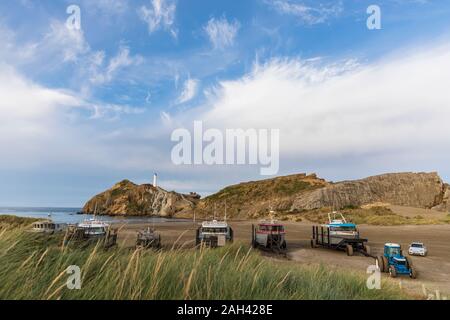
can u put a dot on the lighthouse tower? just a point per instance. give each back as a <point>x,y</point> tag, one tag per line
<point>155,180</point>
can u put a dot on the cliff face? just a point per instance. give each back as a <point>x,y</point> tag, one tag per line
<point>421,190</point>
<point>285,194</point>
<point>301,192</point>
<point>256,198</point>
<point>127,198</point>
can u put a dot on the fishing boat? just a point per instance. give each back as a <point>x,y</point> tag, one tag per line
<point>94,228</point>
<point>48,226</point>
<point>339,228</point>
<point>339,234</point>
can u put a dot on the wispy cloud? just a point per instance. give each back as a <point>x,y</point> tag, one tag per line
<point>190,88</point>
<point>221,32</point>
<point>160,15</point>
<point>308,14</point>
<point>70,43</point>
<point>343,109</point>
<point>44,124</point>
<point>109,7</point>
<point>121,60</point>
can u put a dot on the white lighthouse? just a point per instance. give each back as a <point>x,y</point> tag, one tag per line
<point>155,180</point>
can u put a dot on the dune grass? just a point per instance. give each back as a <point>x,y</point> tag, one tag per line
<point>14,221</point>
<point>34,266</point>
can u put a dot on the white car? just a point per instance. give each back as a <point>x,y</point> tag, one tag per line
<point>417,249</point>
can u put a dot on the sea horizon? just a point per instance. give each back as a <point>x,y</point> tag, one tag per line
<point>70,215</point>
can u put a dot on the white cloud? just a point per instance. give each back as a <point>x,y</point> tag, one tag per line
<point>161,14</point>
<point>115,7</point>
<point>190,88</point>
<point>221,32</point>
<point>397,107</point>
<point>62,46</point>
<point>305,13</point>
<point>121,60</point>
<point>41,126</point>
<point>70,43</point>
<point>26,100</point>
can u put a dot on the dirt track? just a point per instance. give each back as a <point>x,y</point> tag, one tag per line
<point>434,270</point>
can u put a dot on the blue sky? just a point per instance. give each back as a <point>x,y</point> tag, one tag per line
<point>85,108</point>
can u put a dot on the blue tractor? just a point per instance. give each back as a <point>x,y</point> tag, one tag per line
<point>394,263</point>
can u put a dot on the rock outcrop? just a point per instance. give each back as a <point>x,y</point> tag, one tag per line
<point>444,203</point>
<point>256,198</point>
<point>421,190</point>
<point>288,194</point>
<point>127,198</point>
<point>307,192</point>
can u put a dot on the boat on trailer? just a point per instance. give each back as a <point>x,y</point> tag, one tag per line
<point>94,228</point>
<point>148,238</point>
<point>340,235</point>
<point>91,231</point>
<point>269,234</point>
<point>214,234</point>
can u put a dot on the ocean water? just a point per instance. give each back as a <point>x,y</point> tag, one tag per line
<point>69,215</point>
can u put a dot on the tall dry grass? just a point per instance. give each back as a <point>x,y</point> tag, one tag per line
<point>34,266</point>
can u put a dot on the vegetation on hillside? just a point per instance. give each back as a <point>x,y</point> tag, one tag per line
<point>34,267</point>
<point>254,199</point>
<point>14,221</point>
<point>378,216</point>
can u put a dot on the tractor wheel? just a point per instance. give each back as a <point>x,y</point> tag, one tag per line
<point>349,250</point>
<point>367,249</point>
<point>413,273</point>
<point>284,245</point>
<point>380,263</point>
<point>313,245</point>
<point>409,261</point>
<point>392,272</point>
<point>385,264</point>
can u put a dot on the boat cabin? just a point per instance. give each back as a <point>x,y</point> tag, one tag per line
<point>94,228</point>
<point>48,226</point>
<point>214,233</point>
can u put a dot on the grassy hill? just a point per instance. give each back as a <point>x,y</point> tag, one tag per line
<point>255,198</point>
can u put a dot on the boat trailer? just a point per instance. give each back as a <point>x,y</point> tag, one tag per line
<point>322,237</point>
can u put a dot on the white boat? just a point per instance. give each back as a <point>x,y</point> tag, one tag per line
<point>94,227</point>
<point>340,228</point>
<point>214,233</point>
<point>48,226</point>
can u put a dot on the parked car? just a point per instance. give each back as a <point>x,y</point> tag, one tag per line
<point>417,249</point>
